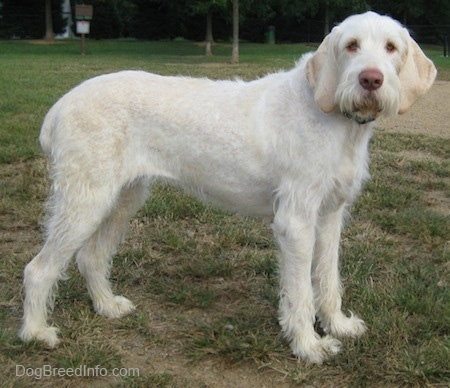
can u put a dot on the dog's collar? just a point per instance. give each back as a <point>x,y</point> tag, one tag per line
<point>359,120</point>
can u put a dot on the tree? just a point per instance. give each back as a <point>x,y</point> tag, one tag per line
<point>48,21</point>
<point>209,34</point>
<point>208,8</point>
<point>325,9</point>
<point>28,18</point>
<point>403,10</point>
<point>235,49</point>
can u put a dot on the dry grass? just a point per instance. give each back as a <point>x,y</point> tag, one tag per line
<point>204,281</point>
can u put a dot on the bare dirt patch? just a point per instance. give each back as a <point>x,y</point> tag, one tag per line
<point>439,202</point>
<point>430,115</point>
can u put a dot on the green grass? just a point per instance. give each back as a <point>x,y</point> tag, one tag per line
<point>204,281</point>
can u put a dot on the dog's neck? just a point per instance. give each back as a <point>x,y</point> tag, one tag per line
<point>359,120</point>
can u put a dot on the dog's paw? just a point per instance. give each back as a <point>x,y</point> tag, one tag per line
<point>48,335</point>
<point>316,350</point>
<point>116,307</point>
<point>343,326</point>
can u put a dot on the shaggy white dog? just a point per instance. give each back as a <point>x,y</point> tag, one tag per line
<point>292,145</point>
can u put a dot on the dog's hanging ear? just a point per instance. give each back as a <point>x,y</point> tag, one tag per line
<point>416,75</point>
<point>321,72</point>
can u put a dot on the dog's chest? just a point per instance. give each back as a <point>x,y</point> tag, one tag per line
<point>347,177</point>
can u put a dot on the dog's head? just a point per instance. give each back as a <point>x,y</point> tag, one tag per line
<point>369,66</point>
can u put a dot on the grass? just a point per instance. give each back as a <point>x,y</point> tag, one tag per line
<point>205,281</point>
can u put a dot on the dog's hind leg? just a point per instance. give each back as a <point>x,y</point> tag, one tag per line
<point>95,257</point>
<point>77,212</point>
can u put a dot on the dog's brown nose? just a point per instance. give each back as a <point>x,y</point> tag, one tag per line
<point>371,79</point>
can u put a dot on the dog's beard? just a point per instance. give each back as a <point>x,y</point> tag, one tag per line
<point>365,105</point>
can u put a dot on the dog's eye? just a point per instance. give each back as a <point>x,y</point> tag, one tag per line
<point>390,47</point>
<point>352,46</point>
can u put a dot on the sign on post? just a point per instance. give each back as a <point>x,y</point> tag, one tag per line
<point>83,15</point>
<point>83,27</point>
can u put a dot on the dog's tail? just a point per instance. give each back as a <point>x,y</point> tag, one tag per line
<point>45,137</point>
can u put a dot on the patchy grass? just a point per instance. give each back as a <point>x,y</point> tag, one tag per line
<point>205,281</point>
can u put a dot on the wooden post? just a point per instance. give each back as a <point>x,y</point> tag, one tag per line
<point>83,15</point>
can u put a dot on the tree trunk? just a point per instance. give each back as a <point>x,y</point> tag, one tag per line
<point>235,51</point>
<point>48,21</point>
<point>326,28</point>
<point>209,34</point>
<point>405,12</point>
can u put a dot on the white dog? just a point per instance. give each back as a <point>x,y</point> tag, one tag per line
<point>292,145</point>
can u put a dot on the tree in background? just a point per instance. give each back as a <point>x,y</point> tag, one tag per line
<point>48,21</point>
<point>294,20</point>
<point>208,8</point>
<point>106,22</point>
<point>163,19</point>
<point>235,49</point>
<point>403,10</point>
<point>26,19</point>
<point>327,10</point>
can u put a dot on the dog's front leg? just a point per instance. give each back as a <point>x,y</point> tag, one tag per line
<point>296,237</point>
<point>326,279</point>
